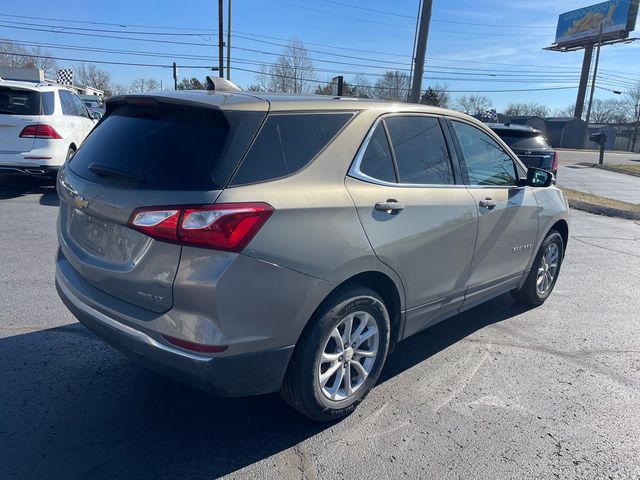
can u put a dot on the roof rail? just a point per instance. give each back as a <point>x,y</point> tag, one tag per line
<point>219,84</point>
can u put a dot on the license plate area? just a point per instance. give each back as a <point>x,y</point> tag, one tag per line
<point>105,240</point>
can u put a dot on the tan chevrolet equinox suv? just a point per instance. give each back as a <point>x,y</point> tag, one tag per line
<point>251,243</point>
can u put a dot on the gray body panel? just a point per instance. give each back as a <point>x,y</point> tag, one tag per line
<point>442,253</point>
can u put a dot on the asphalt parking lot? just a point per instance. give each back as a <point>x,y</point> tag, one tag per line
<point>498,392</point>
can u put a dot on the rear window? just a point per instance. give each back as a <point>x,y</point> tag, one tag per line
<point>166,147</point>
<point>516,139</point>
<point>287,143</point>
<point>17,101</point>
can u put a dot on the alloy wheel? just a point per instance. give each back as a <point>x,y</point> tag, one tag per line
<point>547,269</point>
<point>348,356</point>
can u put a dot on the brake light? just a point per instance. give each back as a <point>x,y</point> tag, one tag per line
<point>227,226</point>
<point>39,131</point>
<point>554,164</point>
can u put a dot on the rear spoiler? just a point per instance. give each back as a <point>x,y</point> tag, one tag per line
<point>112,103</point>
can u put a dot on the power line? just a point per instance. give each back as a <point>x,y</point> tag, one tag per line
<point>510,78</point>
<point>247,34</point>
<point>436,19</point>
<point>102,61</point>
<point>173,42</point>
<point>333,14</point>
<point>106,30</point>
<point>312,80</point>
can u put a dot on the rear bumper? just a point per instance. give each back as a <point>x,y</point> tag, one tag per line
<point>239,375</point>
<point>30,170</point>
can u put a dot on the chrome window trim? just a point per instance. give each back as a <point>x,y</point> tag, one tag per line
<point>355,172</point>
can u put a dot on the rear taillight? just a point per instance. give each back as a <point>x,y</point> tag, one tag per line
<point>554,164</point>
<point>227,226</point>
<point>39,131</point>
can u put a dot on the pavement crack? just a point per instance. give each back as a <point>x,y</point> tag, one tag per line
<point>580,240</point>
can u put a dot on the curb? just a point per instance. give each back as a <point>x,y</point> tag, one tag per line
<point>601,210</point>
<point>617,170</point>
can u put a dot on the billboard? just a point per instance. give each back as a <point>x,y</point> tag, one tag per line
<point>582,26</point>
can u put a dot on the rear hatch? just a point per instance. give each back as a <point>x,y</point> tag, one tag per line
<point>20,107</point>
<point>530,146</point>
<point>145,152</point>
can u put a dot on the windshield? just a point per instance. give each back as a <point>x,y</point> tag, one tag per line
<point>523,139</point>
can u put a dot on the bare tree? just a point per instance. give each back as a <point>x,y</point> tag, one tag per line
<point>473,104</point>
<point>142,85</point>
<point>393,85</point>
<point>564,112</point>
<point>631,102</point>
<point>118,89</point>
<point>438,96</point>
<point>16,55</point>
<point>92,76</point>
<point>363,87</point>
<point>531,109</point>
<point>607,111</point>
<point>292,72</point>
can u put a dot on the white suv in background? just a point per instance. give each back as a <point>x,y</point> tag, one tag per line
<point>41,125</point>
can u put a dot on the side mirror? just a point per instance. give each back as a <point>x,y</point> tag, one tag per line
<point>537,177</point>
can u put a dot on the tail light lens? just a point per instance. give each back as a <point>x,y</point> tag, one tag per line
<point>39,131</point>
<point>554,164</point>
<point>227,226</point>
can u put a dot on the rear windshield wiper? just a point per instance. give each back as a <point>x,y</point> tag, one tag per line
<point>4,110</point>
<point>107,171</point>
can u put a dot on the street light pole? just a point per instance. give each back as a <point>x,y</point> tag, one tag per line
<point>220,41</point>
<point>229,40</point>
<point>595,73</point>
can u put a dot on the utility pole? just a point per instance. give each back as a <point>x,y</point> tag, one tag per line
<point>421,50</point>
<point>220,41</point>
<point>229,40</point>
<point>595,73</point>
<point>175,76</point>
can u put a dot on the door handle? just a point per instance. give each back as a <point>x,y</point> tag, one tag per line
<point>390,206</point>
<point>488,203</point>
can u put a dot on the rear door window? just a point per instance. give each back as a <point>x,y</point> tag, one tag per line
<point>68,106</point>
<point>377,161</point>
<point>18,101</point>
<point>287,143</point>
<point>486,162</point>
<point>166,147</point>
<point>420,150</point>
<point>80,108</point>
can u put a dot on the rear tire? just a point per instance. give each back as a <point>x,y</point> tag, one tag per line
<point>339,356</point>
<point>544,272</point>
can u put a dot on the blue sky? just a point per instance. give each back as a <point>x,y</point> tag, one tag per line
<point>466,57</point>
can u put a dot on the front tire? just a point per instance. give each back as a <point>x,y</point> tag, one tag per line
<point>544,272</point>
<point>339,356</point>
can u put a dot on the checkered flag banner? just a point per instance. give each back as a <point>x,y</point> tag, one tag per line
<point>490,115</point>
<point>65,76</point>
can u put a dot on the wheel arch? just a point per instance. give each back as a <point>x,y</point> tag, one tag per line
<point>562,227</point>
<point>383,285</point>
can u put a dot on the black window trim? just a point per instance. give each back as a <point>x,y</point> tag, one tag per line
<point>519,167</point>
<point>355,172</point>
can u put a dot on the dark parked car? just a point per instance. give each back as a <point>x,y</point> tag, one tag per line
<point>529,144</point>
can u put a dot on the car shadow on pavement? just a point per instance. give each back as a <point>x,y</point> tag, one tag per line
<point>14,186</point>
<point>74,408</point>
